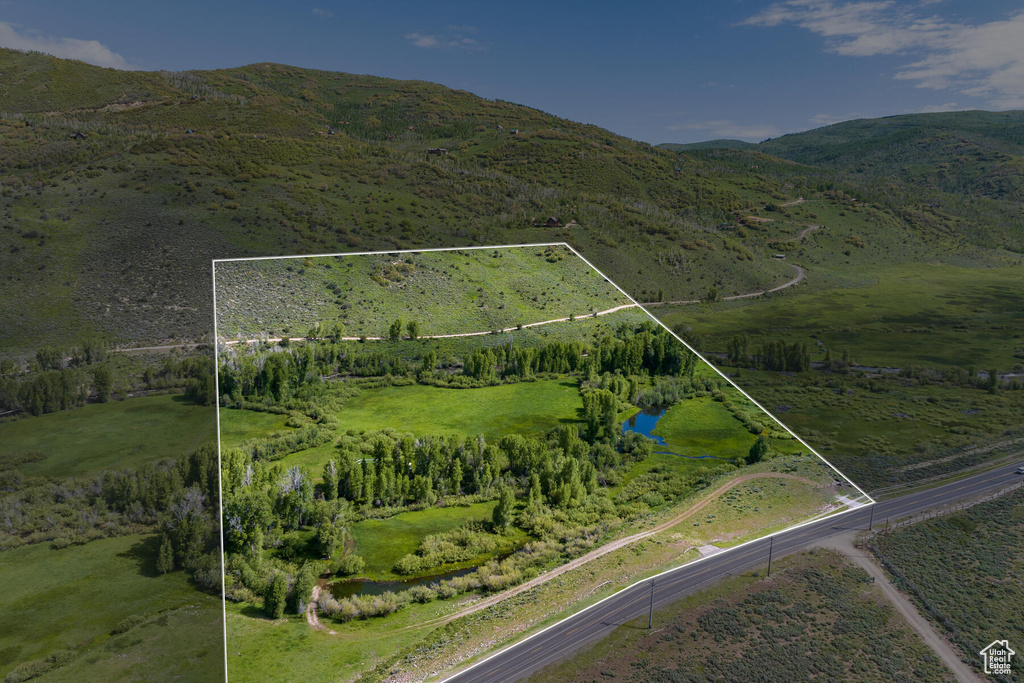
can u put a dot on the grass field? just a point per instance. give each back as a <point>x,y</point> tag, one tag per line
<point>382,542</point>
<point>874,429</point>
<point>237,426</point>
<point>146,653</point>
<point>450,291</point>
<point>917,314</point>
<point>522,408</point>
<point>815,615</point>
<point>100,436</point>
<point>67,599</point>
<point>300,653</point>
<point>703,426</point>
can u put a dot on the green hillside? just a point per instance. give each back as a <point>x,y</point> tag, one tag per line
<point>112,233</point>
<point>961,169</point>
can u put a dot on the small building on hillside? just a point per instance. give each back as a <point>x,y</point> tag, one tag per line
<point>78,135</point>
<point>437,150</point>
<point>552,222</point>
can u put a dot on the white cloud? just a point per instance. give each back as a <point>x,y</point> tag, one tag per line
<point>420,40</point>
<point>455,40</point>
<point>983,60</point>
<point>322,13</point>
<point>91,51</point>
<point>829,119</point>
<point>728,129</point>
<point>933,108</point>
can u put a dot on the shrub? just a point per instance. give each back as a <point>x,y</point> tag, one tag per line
<point>350,564</point>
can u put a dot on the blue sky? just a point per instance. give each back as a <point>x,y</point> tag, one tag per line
<point>658,72</point>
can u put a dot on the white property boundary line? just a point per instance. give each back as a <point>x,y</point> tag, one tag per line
<point>871,500</point>
<point>220,474</point>
<point>634,302</point>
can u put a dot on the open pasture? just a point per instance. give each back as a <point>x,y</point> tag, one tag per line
<point>911,315</point>
<point>101,436</point>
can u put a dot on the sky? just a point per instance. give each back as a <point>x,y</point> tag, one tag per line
<point>658,72</point>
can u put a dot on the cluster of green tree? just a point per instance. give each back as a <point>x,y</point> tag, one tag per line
<point>772,355</point>
<point>561,534</point>
<point>177,497</point>
<point>963,377</point>
<point>60,379</point>
<point>50,390</point>
<point>666,391</point>
<point>278,374</point>
<point>551,486</point>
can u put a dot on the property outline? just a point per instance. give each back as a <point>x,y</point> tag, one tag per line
<point>634,304</point>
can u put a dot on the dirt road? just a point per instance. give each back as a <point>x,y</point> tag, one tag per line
<point>609,547</point>
<point>949,655</point>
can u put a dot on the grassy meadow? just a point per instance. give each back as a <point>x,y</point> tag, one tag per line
<point>71,599</point>
<point>920,315</point>
<point>101,436</point>
<point>450,292</point>
<point>522,408</point>
<point>882,429</point>
<point>383,542</point>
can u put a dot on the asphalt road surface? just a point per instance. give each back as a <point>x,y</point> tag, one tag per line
<point>562,639</point>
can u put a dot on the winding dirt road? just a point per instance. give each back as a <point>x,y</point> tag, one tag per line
<point>591,314</point>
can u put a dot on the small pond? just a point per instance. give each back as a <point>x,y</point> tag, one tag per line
<point>644,423</point>
<point>350,587</point>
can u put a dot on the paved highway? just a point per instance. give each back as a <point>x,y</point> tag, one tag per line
<point>560,640</point>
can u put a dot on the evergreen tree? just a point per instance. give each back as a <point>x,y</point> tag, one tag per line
<point>165,561</point>
<point>502,516</point>
<point>758,451</point>
<point>275,598</point>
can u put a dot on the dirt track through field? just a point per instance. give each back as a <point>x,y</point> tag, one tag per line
<point>592,314</point>
<point>583,559</point>
<point>949,655</point>
<point>614,545</point>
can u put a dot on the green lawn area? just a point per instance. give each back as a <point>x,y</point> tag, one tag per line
<point>237,426</point>
<point>912,315</point>
<point>145,653</point>
<point>522,408</point>
<point>299,653</point>
<point>99,436</point>
<point>703,426</point>
<point>404,532</point>
<point>72,598</point>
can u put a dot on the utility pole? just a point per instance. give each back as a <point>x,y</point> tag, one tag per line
<point>650,617</point>
<point>771,542</point>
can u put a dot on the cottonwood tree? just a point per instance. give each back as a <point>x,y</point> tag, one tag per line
<point>395,331</point>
